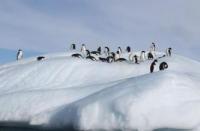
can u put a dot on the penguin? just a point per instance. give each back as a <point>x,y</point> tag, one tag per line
<point>136,59</point>
<point>103,59</point>
<point>83,50</point>
<point>150,56</point>
<point>107,51</point>
<point>163,66</point>
<point>98,52</point>
<point>110,59</point>
<point>83,47</point>
<point>153,47</point>
<point>130,57</point>
<point>168,51</point>
<point>99,49</point>
<point>77,55</point>
<point>120,50</point>
<point>39,58</point>
<point>152,66</point>
<point>89,56</point>
<point>117,55</point>
<point>73,47</point>
<point>19,54</point>
<point>112,54</point>
<point>118,58</point>
<point>142,56</point>
<point>128,49</point>
<point>121,60</point>
<point>95,52</point>
<point>162,56</point>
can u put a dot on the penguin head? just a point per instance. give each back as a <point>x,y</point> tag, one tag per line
<point>119,48</point>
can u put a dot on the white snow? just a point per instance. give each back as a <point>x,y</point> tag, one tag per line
<point>62,91</point>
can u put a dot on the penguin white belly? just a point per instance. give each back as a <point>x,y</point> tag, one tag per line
<point>167,52</point>
<point>131,57</point>
<point>83,50</point>
<point>20,56</point>
<point>117,56</point>
<point>142,57</point>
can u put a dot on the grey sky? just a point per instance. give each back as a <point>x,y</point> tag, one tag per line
<point>52,25</point>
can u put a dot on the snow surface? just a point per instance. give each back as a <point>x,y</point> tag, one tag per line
<point>64,91</point>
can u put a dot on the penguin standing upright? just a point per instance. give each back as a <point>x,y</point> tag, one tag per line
<point>120,50</point>
<point>152,66</point>
<point>153,47</point>
<point>73,47</point>
<point>128,49</point>
<point>130,57</point>
<point>142,56</point>
<point>83,50</point>
<point>168,51</point>
<point>136,59</point>
<point>107,51</point>
<point>117,55</point>
<point>150,55</point>
<point>99,50</point>
<point>19,54</point>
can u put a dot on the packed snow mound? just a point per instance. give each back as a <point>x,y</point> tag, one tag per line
<point>62,91</point>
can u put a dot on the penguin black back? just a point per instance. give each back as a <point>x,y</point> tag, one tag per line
<point>39,58</point>
<point>128,49</point>
<point>152,66</point>
<point>163,66</point>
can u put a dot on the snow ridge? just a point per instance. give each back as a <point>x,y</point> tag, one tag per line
<point>62,91</point>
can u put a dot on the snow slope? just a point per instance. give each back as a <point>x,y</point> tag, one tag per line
<point>63,91</point>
